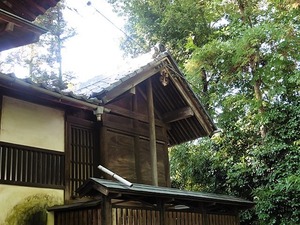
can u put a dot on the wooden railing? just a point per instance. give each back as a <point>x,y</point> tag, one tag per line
<point>22,165</point>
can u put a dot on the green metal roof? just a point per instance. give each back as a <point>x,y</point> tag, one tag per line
<point>94,186</point>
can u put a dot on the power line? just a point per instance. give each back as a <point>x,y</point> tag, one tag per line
<point>129,37</point>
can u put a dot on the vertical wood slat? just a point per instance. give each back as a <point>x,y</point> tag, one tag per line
<point>3,163</point>
<point>194,218</point>
<point>89,216</point>
<point>25,165</point>
<point>81,156</point>
<point>127,216</point>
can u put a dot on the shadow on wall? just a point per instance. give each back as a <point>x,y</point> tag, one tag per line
<point>32,210</point>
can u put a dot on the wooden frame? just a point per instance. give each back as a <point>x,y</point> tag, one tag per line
<point>82,153</point>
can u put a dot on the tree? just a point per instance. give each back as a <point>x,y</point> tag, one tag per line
<point>253,81</point>
<point>168,22</point>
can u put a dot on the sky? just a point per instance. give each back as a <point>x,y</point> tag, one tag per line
<point>95,49</point>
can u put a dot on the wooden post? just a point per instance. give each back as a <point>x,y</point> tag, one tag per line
<point>152,134</point>
<point>205,217</point>
<point>136,144</point>
<point>161,208</point>
<point>106,211</point>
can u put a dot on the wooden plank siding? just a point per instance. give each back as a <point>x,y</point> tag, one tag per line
<point>28,166</point>
<point>132,126</point>
<point>128,155</point>
<point>125,140</point>
<point>88,216</point>
<point>139,216</point>
<point>126,216</point>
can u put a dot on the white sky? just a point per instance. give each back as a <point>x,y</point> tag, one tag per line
<point>95,49</point>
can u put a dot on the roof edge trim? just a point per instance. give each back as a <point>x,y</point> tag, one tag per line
<point>9,17</point>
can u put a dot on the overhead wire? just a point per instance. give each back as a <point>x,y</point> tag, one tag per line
<point>72,9</point>
<point>89,3</point>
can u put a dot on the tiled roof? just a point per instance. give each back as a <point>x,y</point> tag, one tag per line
<point>102,83</point>
<point>10,81</point>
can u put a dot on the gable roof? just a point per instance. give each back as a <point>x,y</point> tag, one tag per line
<point>175,103</point>
<point>96,187</point>
<point>16,27</point>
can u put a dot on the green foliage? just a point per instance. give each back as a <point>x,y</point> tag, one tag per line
<point>276,203</point>
<point>168,22</point>
<point>203,172</point>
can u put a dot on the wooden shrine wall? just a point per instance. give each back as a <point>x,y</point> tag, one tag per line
<point>129,216</point>
<point>125,151</point>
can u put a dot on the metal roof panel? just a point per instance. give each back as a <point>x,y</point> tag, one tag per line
<point>112,187</point>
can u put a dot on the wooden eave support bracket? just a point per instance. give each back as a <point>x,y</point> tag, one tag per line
<point>176,79</point>
<point>178,114</point>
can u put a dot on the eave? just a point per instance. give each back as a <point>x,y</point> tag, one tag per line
<point>95,187</point>
<point>16,31</point>
<point>27,9</point>
<point>25,87</point>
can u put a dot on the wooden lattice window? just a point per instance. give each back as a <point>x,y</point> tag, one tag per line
<point>22,165</point>
<point>81,153</point>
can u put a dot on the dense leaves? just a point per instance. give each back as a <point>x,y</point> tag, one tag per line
<point>242,59</point>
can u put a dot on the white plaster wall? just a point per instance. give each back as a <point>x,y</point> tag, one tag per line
<point>30,124</point>
<point>12,196</point>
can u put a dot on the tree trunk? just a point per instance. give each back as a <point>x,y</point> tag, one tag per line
<point>261,109</point>
<point>205,87</point>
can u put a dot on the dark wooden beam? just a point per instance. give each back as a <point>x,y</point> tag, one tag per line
<point>38,7</point>
<point>178,114</point>
<point>136,78</point>
<point>130,114</point>
<point>4,7</point>
<point>22,10</point>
